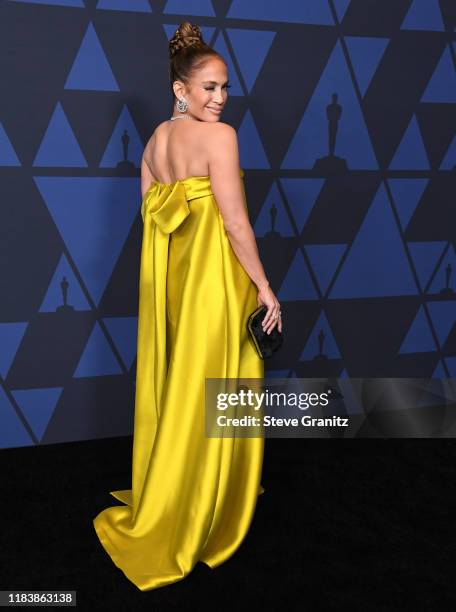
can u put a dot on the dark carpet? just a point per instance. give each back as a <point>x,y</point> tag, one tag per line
<point>364,523</point>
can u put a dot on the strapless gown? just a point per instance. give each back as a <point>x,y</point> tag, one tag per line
<point>193,497</point>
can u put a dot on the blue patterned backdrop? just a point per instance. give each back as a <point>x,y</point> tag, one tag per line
<point>346,118</point>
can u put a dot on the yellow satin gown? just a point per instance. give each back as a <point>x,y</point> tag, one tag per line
<point>193,497</point>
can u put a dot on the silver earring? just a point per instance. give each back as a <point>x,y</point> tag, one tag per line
<point>182,105</point>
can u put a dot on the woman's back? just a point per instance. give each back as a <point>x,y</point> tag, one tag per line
<point>179,149</point>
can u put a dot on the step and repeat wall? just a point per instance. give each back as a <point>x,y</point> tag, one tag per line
<point>345,112</point>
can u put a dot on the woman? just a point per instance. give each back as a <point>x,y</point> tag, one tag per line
<point>193,497</point>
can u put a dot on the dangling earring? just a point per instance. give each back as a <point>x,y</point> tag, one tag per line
<point>182,105</point>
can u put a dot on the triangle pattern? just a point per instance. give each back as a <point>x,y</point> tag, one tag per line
<point>11,335</point>
<point>59,147</point>
<point>341,7</point>
<point>351,401</point>
<point>423,15</point>
<point>435,395</point>
<point>200,8</point>
<point>252,153</point>
<point>449,161</point>
<point>419,337</point>
<point>407,194</point>
<point>8,155</point>
<point>447,269</point>
<point>439,371</point>
<point>297,284</point>
<point>376,265</point>
<point>124,332</point>
<point>273,204</point>
<point>137,6</point>
<point>302,194</point>
<point>312,347</point>
<point>310,11</point>
<point>243,41</point>
<point>442,85</point>
<point>12,432</point>
<point>451,365</point>
<point>410,154</point>
<point>64,280</point>
<point>97,358</point>
<point>74,3</point>
<point>425,256</point>
<point>91,69</point>
<point>324,259</point>
<point>114,152</point>
<point>310,141</point>
<point>102,210</point>
<point>38,406</point>
<point>443,315</point>
<point>365,54</point>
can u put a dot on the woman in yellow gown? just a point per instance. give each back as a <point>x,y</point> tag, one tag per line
<point>193,497</point>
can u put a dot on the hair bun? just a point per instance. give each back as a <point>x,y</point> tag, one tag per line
<point>186,35</point>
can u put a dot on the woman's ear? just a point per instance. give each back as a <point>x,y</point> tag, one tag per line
<point>177,87</point>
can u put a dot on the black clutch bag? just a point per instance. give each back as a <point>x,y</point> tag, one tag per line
<point>265,344</point>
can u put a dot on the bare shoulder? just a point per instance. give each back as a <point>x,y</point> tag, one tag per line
<point>222,152</point>
<point>160,126</point>
<point>220,130</point>
<point>156,131</point>
<point>220,134</point>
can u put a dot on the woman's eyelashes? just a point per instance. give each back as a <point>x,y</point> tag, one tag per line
<point>212,88</point>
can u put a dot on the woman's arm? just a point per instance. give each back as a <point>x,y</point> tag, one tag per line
<point>229,193</point>
<point>147,177</point>
<point>228,189</point>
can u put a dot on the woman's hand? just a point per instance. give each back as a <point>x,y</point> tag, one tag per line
<point>272,317</point>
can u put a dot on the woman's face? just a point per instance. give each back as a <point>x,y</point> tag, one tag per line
<point>206,92</point>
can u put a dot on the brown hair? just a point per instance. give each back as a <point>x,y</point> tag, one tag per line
<point>187,53</point>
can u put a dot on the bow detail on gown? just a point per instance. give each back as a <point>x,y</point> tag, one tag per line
<point>166,204</point>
